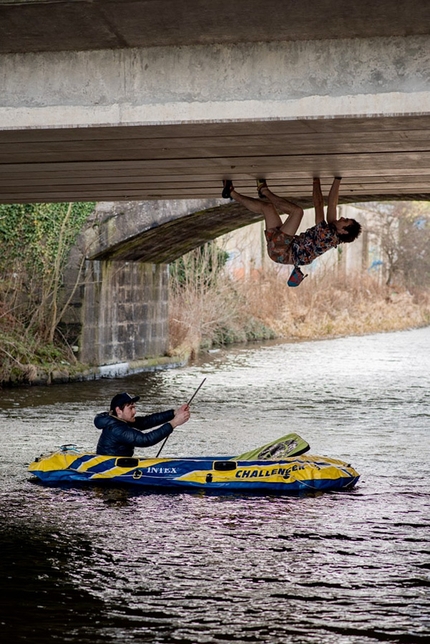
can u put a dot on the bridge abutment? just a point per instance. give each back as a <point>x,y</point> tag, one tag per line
<point>119,313</point>
<point>124,312</point>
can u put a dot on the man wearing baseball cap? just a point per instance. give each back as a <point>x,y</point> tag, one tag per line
<point>122,429</point>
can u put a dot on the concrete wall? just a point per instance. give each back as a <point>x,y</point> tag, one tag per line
<point>284,89</point>
<point>283,80</point>
<point>121,312</point>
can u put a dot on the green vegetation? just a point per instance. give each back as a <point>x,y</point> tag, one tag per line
<point>35,241</point>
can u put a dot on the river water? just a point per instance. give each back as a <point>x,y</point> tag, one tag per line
<point>96,565</point>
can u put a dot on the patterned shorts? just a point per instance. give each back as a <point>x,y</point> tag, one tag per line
<point>279,246</point>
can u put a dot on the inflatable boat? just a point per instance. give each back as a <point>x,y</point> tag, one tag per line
<point>279,467</point>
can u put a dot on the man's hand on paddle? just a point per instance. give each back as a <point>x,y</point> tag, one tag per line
<point>182,415</point>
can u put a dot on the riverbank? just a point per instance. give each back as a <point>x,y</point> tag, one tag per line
<point>324,306</point>
<point>231,312</point>
<point>52,374</point>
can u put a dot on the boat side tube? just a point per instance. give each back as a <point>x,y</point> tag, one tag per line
<point>295,474</point>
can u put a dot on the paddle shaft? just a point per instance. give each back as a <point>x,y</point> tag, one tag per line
<point>196,391</point>
<point>188,403</point>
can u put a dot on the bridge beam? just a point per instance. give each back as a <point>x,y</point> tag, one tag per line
<point>170,122</point>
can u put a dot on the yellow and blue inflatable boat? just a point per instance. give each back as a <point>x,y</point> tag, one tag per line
<point>279,467</point>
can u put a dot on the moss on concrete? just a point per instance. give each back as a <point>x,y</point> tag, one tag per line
<point>56,374</point>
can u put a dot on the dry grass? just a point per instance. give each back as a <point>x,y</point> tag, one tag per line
<point>322,306</point>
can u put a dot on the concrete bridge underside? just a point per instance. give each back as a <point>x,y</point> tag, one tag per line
<point>379,158</point>
<point>160,100</point>
<point>154,102</point>
<point>160,232</point>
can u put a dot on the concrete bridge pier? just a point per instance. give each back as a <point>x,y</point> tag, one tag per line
<point>118,318</point>
<point>124,312</point>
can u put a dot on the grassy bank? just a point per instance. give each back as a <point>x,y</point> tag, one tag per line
<point>323,306</point>
<point>25,358</point>
<point>218,311</point>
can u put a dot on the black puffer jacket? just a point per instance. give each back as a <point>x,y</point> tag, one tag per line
<point>119,438</point>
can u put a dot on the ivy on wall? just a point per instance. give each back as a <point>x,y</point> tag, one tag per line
<point>34,234</point>
<point>35,243</point>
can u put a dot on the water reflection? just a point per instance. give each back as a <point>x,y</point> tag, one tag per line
<point>42,601</point>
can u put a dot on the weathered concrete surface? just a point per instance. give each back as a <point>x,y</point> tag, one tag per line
<point>159,231</point>
<point>123,315</point>
<point>67,25</point>
<point>280,89</point>
<point>113,370</point>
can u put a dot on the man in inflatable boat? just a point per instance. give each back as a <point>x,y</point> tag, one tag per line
<point>122,429</point>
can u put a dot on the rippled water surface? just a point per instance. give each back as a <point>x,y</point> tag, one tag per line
<point>95,566</point>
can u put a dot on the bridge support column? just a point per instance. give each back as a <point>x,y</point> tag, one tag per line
<point>124,314</point>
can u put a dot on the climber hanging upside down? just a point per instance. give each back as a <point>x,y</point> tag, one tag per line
<point>283,245</point>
